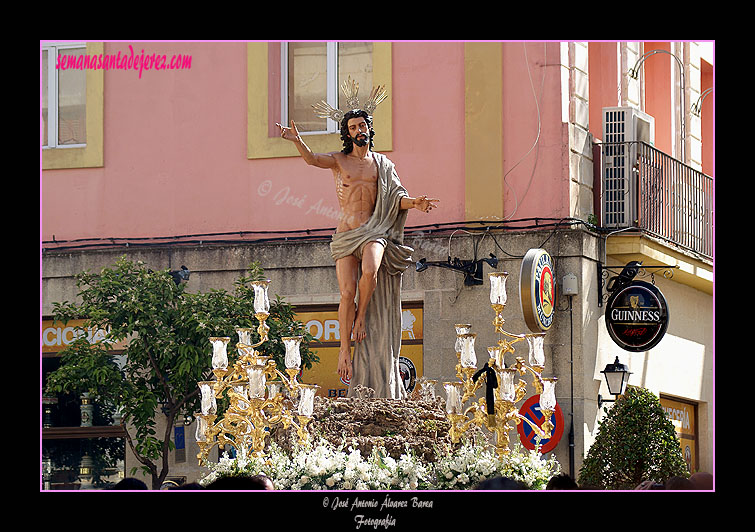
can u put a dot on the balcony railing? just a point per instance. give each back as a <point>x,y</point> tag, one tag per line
<point>643,187</point>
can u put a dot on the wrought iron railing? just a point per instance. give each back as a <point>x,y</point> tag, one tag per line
<point>645,188</point>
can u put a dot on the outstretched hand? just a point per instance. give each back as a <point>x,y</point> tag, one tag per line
<point>424,204</point>
<point>289,133</point>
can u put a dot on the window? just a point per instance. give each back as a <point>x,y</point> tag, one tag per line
<point>63,98</point>
<point>265,106</point>
<point>315,71</point>
<point>83,443</point>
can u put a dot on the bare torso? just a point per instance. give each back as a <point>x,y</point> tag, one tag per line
<point>356,187</point>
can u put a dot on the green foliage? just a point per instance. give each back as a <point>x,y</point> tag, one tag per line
<point>166,332</point>
<point>635,442</point>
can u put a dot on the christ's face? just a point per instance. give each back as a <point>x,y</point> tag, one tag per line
<point>358,130</point>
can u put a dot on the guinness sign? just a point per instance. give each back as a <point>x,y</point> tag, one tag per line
<point>537,290</point>
<point>637,316</point>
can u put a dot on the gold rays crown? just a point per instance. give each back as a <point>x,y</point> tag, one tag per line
<point>350,89</point>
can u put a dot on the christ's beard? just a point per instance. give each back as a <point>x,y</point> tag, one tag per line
<point>360,139</point>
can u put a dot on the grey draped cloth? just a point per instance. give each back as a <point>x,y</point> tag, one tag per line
<point>376,358</point>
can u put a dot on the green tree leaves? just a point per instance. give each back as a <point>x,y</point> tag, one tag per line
<point>166,332</point>
<point>635,442</point>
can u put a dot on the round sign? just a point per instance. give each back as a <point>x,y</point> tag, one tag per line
<point>537,290</point>
<point>408,373</point>
<point>531,410</point>
<point>637,316</point>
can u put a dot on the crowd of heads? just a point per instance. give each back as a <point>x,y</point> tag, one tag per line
<point>227,483</point>
<point>700,481</point>
<point>696,481</point>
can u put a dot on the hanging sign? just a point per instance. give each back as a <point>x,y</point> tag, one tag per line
<point>537,291</point>
<point>637,316</point>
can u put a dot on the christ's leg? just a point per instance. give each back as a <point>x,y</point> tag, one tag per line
<point>372,256</point>
<point>347,271</point>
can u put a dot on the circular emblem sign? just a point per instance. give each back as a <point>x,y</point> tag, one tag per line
<point>637,316</point>
<point>537,290</point>
<point>531,410</point>
<point>408,373</point>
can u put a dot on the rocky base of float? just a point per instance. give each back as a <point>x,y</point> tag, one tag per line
<point>364,423</point>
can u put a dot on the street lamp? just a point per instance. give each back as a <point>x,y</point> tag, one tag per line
<point>617,376</point>
<point>180,275</point>
<point>697,107</point>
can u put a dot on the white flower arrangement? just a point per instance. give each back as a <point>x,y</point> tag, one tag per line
<point>471,464</point>
<point>323,466</point>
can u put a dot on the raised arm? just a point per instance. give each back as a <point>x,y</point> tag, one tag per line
<point>321,160</point>
<point>422,203</point>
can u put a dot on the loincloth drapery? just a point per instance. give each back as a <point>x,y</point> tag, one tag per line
<point>376,358</point>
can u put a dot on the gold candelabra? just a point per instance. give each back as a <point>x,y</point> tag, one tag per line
<point>259,395</point>
<point>497,410</point>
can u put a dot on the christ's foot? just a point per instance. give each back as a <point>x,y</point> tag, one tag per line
<point>360,332</point>
<point>344,364</point>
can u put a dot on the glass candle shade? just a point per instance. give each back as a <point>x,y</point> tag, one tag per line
<point>427,389</point>
<point>306,400</point>
<point>256,375</point>
<point>537,355</point>
<point>498,288</point>
<point>506,387</point>
<point>209,404</point>
<point>453,397</point>
<point>548,397</point>
<point>461,328</point>
<point>293,357</point>
<point>273,389</point>
<point>261,301</point>
<point>245,335</point>
<point>200,432</point>
<point>241,390</point>
<point>496,353</point>
<point>468,356</point>
<point>219,352</point>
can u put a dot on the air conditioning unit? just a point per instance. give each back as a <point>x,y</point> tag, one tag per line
<point>623,127</point>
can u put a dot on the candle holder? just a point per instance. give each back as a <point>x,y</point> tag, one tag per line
<point>427,389</point>
<point>497,411</point>
<point>259,395</point>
